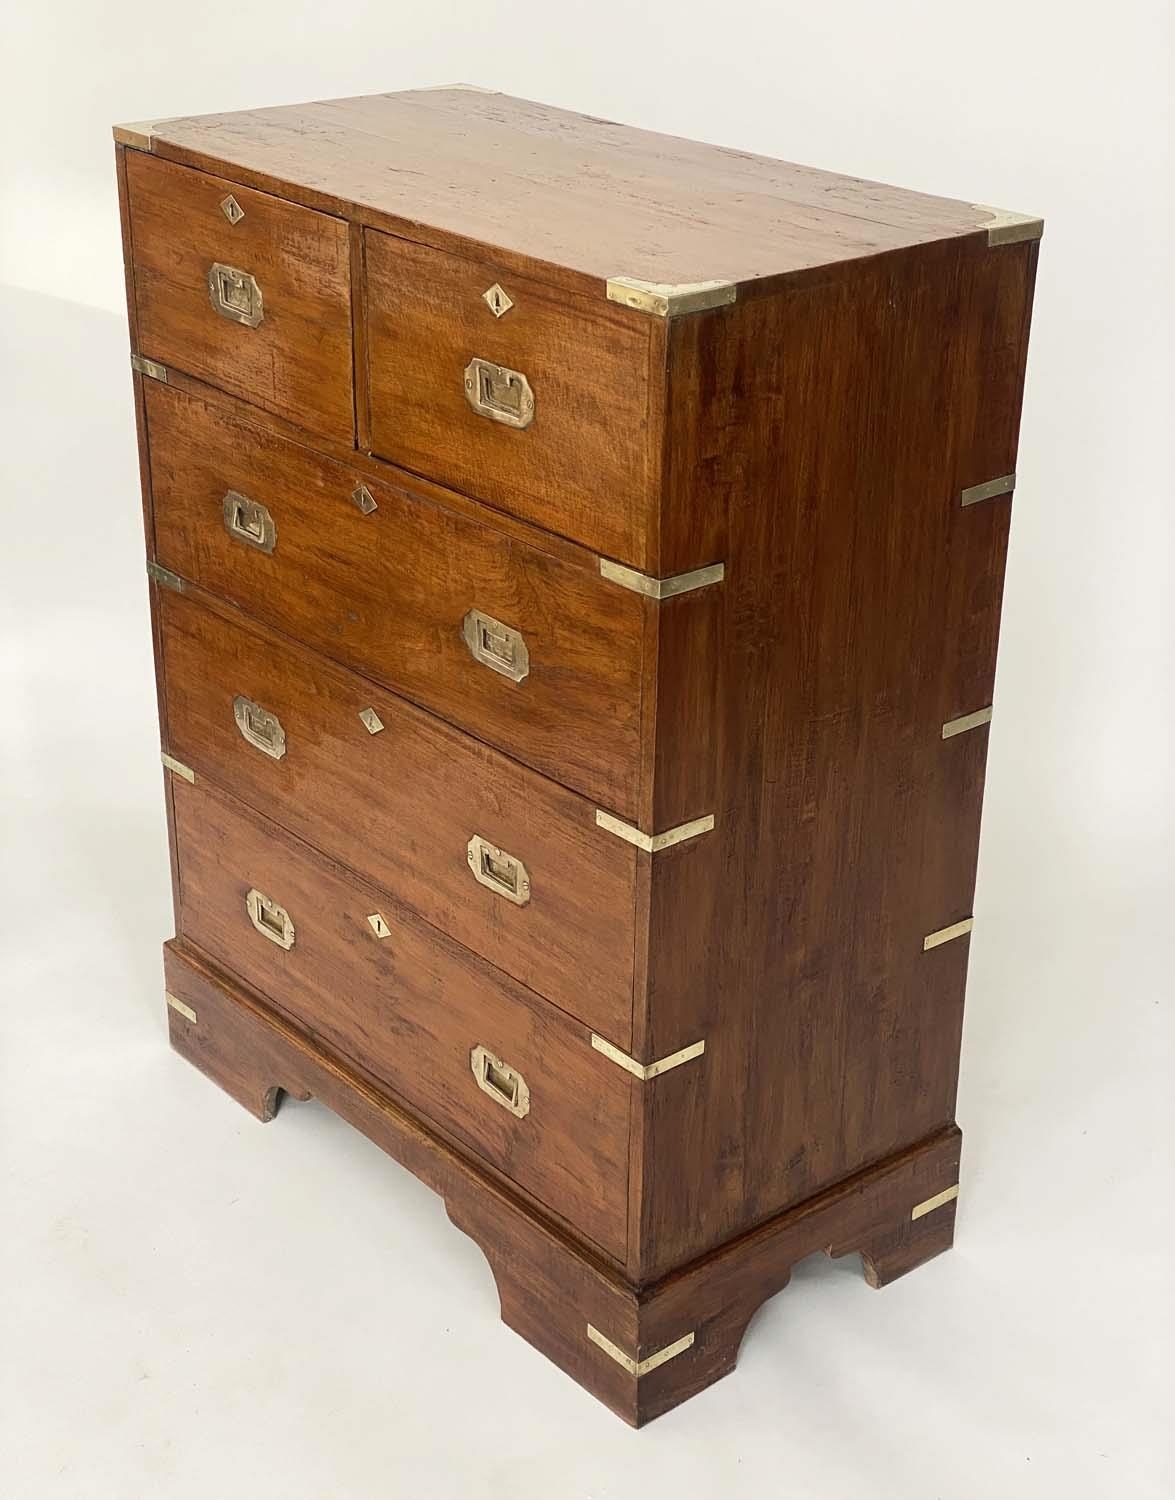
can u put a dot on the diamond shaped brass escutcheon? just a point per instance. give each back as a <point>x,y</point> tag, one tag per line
<point>364,499</point>
<point>378,925</point>
<point>497,301</point>
<point>231,209</point>
<point>371,720</point>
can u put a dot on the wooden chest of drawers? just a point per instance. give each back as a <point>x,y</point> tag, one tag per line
<point>576,561</point>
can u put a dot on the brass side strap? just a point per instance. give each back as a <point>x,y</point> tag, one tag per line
<point>645,1071</point>
<point>164,576</point>
<point>651,843</point>
<point>180,1008</point>
<point>961,725</point>
<point>988,490</point>
<point>178,767</point>
<point>945,934</point>
<point>149,367</point>
<point>639,1367</point>
<point>661,588</point>
<point>948,1195</point>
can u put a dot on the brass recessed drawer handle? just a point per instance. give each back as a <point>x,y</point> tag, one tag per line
<point>270,919</point>
<point>497,646</point>
<point>235,295</point>
<point>504,1084</point>
<point>498,871</point>
<point>498,393</point>
<point>262,729</point>
<point>249,521</point>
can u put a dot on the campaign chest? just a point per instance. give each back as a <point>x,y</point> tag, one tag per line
<point>576,560</point>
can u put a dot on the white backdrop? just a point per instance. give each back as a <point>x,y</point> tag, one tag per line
<point>192,1305</point>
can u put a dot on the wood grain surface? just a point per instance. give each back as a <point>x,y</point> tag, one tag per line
<point>409,1008</point>
<point>587,466</point>
<point>861,611</point>
<point>386,594</point>
<point>550,1287</point>
<point>297,361</point>
<point>400,806</point>
<point>588,198</point>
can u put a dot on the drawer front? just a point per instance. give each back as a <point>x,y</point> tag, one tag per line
<point>411,1008</point>
<point>260,307</point>
<point>543,411</point>
<point>423,600</point>
<point>401,797</point>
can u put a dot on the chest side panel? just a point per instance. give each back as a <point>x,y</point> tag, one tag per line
<point>862,603</point>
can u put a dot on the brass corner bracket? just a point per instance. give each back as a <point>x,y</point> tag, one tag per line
<point>639,1367</point>
<point>928,1205</point>
<point>988,490</point>
<point>1005,227</point>
<point>653,843</point>
<point>149,367</point>
<point>661,588</point>
<point>669,300</point>
<point>139,135</point>
<point>177,767</point>
<point>947,934</point>
<point>645,1071</point>
<point>179,1007</point>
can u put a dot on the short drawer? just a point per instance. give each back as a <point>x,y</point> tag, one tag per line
<point>528,652</point>
<point>245,291</point>
<point>514,1080</point>
<point>513,392</point>
<point>510,864</point>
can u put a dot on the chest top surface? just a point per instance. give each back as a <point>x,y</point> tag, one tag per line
<point>596,199</point>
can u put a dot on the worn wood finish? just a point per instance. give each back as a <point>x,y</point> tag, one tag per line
<point>586,466</point>
<point>409,1008</point>
<point>789,1044</point>
<point>386,594</point>
<point>297,361</point>
<point>861,611</point>
<point>401,805</point>
<point>581,198</point>
<point>549,1287</point>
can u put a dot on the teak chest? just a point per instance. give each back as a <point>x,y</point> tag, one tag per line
<point>576,564</point>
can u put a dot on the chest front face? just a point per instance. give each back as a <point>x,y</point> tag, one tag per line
<point>576,562</point>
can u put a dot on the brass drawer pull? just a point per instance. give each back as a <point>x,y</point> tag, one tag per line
<point>249,521</point>
<point>498,393</point>
<point>501,1082</point>
<point>497,646</point>
<point>270,919</point>
<point>498,871</point>
<point>235,295</point>
<point>262,729</point>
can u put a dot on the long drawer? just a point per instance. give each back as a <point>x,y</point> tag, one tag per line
<point>531,653</point>
<point>510,864</point>
<point>514,1080</point>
